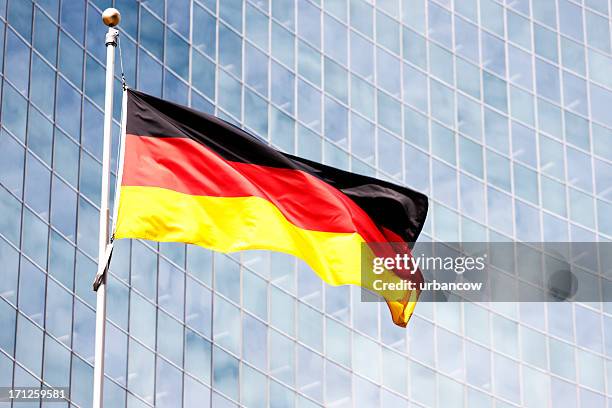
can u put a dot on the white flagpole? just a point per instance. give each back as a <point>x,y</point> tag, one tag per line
<point>111,18</point>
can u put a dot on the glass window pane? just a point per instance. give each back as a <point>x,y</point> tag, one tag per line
<point>450,350</point>
<point>196,394</point>
<point>545,12</point>
<point>521,104</point>
<point>570,18</point>
<point>310,327</point>
<point>19,15</point>
<point>576,132</point>
<point>142,320</point>
<point>7,318</point>
<point>152,33</point>
<point>579,167</point>
<point>526,183</point>
<point>470,157</point>
<point>71,59</point>
<point>56,363</point>
<point>283,44</point>
<point>336,121</point>
<point>598,32</point>
<point>499,216</point>
<point>282,130</point>
<point>390,114</point>
<point>12,166</point>
<point>338,384</point>
<point>603,178</point>
<point>309,144</point>
<point>17,58</point>
<point>197,356</point>
<point>362,97</point>
<point>282,310</point>
<point>362,16</point>
<point>492,16</point>
<point>225,373</point>
<point>231,11</point>
<point>255,295</point>
<point>169,385</point>
<point>170,345</point>
<point>252,383</point>
<point>178,16</point>
<point>309,23</point>
<point>467,8</point>
<point>506,378</point>
<point>494,92</point>
<point>29,345</point>
<point>336,38</point>
<point>553,196</point>
<point>415,50</point>
<point>254,342</point>
<point>149,74</point>
<point>338,8</point>
<point>81,391</point>
<point>230,50</point>
<point>366,362</point>
<point>545,43</point>
<point>466,39</point>
<point>309,63</point>
<point>336,80</point>
<point>84,324</point>
<point>14,112</point>
<point>468,78</point>
<point>520,67</point>
<point>256,26</point>
<point>204,32</point>
<point>284,11</point>
<point>416,169</point>
<point>574,93</point>
<point>493,54</point>
<point>282,358</point>
<point>35,238</point>
<point>177,55</point>
<point>572,55</point>
<point>551,158</point>
<point>283,85</point>
<point>423,384</point>
<point>141,371</point>
<point>519,30</point>
<point>40,136</point>
<point>226,325</point>
<point>388,68</point>
<point>440,25</point>
<point>310,378</point>
<point>170,289</point>
<point>199,263</point>
<point>442,103</point>
<point>581,208</point>
<point>387,32</point>
<point>229,94</point>
<point>604,219</point>
<point>443,143</point>
<point>441,63</point>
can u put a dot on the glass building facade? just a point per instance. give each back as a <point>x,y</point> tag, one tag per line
<point>499,111</point>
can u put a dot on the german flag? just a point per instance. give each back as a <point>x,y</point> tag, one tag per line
<point>191,177</point>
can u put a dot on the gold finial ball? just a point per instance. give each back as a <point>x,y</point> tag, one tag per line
<point>111,17</point>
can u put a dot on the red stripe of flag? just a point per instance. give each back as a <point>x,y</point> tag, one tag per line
<point>186,166</point>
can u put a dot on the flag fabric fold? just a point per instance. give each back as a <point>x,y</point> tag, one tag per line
<point>194,178</point>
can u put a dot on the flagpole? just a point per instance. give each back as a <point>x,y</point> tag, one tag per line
<point>111,18</point>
